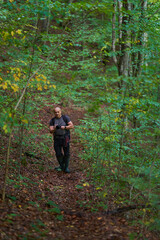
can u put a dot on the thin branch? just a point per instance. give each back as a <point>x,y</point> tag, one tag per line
<point>38,69</point>
<point>154,13</point>
<point>7,166</point>
<point>128,208</point>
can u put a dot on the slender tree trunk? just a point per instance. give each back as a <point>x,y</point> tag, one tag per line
<point>123,65</point>
<point>83,41</point>
<point>25,101</point>
<point>129,43</point>
<point>48,20</point>
<point>145,35</point>
<point>120,23</point>
<point>114,30</point>
<point>120,64</point>
<point>7,167</point>
<point>123,125</point>
<point>124,58</point>
<point>141,35</point>
<point>133,42</point>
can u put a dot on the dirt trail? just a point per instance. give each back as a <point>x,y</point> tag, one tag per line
<point>30,212</point>
<point>76,202</point>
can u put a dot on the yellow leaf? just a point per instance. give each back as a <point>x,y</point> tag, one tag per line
<point>16,77</point>
<point>104,194</point>
<point>86,184</point>
<point>12,33</point>
<point>19,31</point>
<point>4,85</point>
<point>54,86</point>
<point>5,35</point>
<point>116,119</point>
<point>24,120</point>
<point>39,49</point>
<point>11,0</point>
<point>5,128</point>
<point>107,139</point>
<point>39,87</point>
<point>116,110</point>
<point>70,226</point>
<point>15,87</point>
<point>44,77</point>
<point>45,86</point>
<point>98,188</point>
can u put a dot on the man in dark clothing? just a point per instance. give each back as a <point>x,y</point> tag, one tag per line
<point>60,127</point>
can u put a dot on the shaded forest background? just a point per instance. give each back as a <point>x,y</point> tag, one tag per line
<point>102,57</point>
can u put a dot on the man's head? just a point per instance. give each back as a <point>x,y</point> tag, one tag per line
<point>57,112</point>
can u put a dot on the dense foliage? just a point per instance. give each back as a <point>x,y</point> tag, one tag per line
<point>65,49</point>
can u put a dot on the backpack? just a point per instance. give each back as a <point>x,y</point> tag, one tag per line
<point>66,122</point>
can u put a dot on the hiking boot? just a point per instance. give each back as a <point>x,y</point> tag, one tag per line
<point>61,164</point>
<point>58,168</point>
<point>66,170</point>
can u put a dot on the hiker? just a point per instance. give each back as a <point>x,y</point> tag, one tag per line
<point>60,127</point>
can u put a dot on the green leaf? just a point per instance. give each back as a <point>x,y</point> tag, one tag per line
<point>59,217</point>
<point>54,210</point>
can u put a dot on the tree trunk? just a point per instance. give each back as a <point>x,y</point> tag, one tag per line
<point>133,41</point>
<point>141,37</point>
<point>114,30</point>
<point>145,35</point>
<point>123,64</point>
<point>25,100</point>
<point>7,167</point>
<point>120,23</point>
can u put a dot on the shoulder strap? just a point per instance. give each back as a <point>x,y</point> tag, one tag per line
<point>53,120</point>
<point>64,119</point>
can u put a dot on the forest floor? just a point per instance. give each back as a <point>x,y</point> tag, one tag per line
<point>51,205</point>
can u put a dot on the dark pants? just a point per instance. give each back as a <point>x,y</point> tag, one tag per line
<point>62,144</point>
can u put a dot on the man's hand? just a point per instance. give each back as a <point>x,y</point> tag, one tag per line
<point>69,126</point>
<point>58,127</point>
<point>52,129</point>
